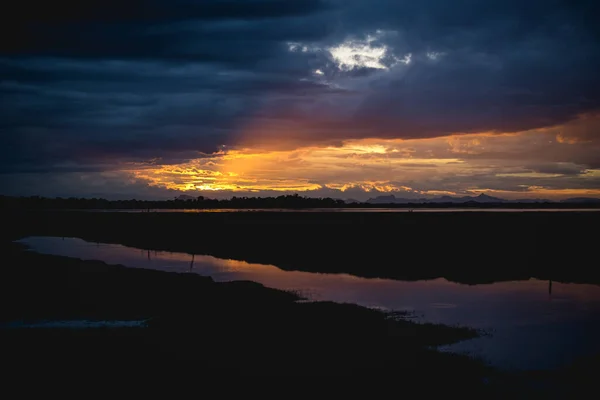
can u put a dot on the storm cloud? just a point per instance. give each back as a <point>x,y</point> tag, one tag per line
<point>94,86</point>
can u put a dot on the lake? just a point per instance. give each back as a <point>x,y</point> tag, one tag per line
<point>346,210</point>
<point>530,324</point>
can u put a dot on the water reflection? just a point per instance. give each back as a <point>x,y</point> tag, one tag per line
<point>535,324</point>
<point>346,210</point>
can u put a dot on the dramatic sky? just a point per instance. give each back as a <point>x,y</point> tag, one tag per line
<point>342,98</point>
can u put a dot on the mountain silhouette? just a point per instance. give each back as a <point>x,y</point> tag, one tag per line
<point>590,200</point>
<point>482,198</point>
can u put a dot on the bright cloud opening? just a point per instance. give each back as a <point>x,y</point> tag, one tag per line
<point>353,54</point>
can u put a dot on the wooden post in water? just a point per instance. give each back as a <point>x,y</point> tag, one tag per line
<point>192,263</point>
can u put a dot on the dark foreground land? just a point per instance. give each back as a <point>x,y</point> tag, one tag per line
<point>243,329</point>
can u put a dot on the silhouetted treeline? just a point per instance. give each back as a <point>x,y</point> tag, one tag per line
<point>73,203</point>
<point>294,201</point>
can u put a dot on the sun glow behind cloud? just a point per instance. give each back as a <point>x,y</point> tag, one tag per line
<point>454,165</point>
<point>303,169</point>
<point>295,149</point>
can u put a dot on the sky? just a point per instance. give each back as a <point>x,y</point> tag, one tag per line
<point>151,99</point>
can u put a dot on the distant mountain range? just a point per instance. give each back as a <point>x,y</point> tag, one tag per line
<point>482,198</point>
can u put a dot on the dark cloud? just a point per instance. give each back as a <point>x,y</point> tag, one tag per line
<point>108,185</point>
<point>61,12</point>
<point>104,82</point>
<point>558,168</point>
<point>155,29</point>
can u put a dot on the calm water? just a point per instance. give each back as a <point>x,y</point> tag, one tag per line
<point>360,210</point>
<point>530,328</point>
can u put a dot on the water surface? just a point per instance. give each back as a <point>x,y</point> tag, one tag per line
<point>351,210</point>
<point>533,324</point>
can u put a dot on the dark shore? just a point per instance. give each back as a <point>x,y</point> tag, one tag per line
<point>244,329</point>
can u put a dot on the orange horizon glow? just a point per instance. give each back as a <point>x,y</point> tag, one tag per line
<point>451,165</point>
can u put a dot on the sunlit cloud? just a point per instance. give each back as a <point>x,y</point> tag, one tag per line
<point>355,164</point>
<point>359,54</point>
<point>522,165</point>
<point>353,53</point>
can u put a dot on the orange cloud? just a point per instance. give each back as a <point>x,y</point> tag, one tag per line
<point>537,163</point>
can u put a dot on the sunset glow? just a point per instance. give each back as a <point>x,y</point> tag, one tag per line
<point>328,98</point>
<point>453,165</point>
